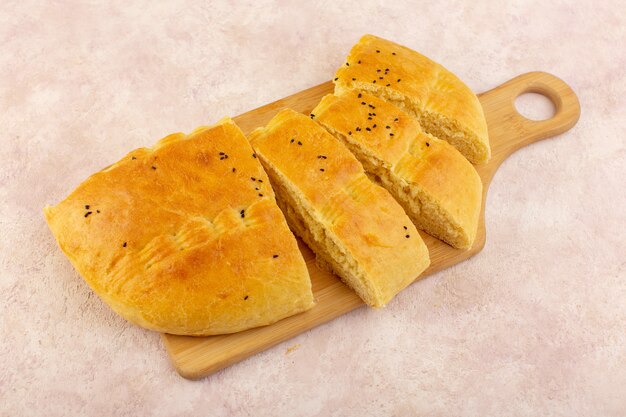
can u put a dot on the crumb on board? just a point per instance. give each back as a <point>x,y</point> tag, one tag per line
<point>292,348</point>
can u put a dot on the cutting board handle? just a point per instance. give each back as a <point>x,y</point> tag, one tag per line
<point>502,116</point>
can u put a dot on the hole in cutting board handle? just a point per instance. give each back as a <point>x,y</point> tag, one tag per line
<point>535,106</point>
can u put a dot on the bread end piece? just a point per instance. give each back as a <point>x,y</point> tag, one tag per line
<point>443,104</point>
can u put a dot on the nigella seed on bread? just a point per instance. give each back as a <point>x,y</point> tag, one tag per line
<point>443,104</point>
<point>353,225</point>
<point>201,246</point>
<point>439,189</point>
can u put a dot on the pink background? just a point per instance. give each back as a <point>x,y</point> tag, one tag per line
<point>533,325</point>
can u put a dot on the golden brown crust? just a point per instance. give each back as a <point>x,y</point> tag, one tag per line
<point>420,85</point>
<point>384,137</point>
<point>382,129</point>
<point>182,238</point>
<point>332,187</point>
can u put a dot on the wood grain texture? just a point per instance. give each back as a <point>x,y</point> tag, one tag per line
<point>196,357</point>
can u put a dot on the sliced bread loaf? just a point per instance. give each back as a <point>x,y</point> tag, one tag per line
<point>439,189</point>
<point>353,225</point>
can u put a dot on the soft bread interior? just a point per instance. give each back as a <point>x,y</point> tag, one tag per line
<point>424,212</point>
<point>329,250</point>
<point>435,124</point>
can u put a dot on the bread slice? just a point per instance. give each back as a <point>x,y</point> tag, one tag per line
<point>185,237</point>
<point>352,224</point>
<point>439,189</point>
<point>443,104</point>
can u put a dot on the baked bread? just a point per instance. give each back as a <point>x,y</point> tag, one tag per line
<point>354,226</point>
<point>438,188</point>
<point>186,237</point>
<point>443,104</point>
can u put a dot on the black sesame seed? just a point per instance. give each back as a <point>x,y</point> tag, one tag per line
<point>399,79</point>
<point>97,211</point>
<point>275,256</point>
<point>260,180</point>
<point>347,64</point>
<point>360,95</point>
<point>427,144</point>
<point>374,125</point>
<point>260,195</point>
<point>254,155</point>
<point>369,118</point>
<point>87,214</point>
<point>292,140</point>
<point>353,79</point>
<point>312,116</point>
<point>363,103</point>
<point>349,132</point>
<point>371,107</point>
<point>336,78</point>
<point>253,179</point>
<point>391,134</point>
<point>374,82</point>
<point>380,78</point>
<point>395,120</point>
<point>387,85</point>
<point>242,213</point>
<point>299,143</point>
<point>133,158</point>
<point>368,129</point>
<point>257,188</point>
<point>405,228</point>
<point>358,129</point>
<point>153,167</point>
<point>322,169</point>
<point>377,51</point>
<point>377,70</point>
<point>221,153</point>
<point>387,127</point>
<point>234,169</point>
<point>245,298</point>
<point>386,69</point>
<point>124,245</point>
<point>359,62</point>
<point>407,236</point>
<point>86,206</point>
<point>393,53</point>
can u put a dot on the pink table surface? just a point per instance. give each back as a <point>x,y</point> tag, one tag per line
<point>533,325</point>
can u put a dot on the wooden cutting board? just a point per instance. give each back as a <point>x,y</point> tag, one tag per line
<point>196,357</point>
